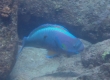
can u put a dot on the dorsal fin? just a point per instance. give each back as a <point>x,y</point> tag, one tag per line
<point>46,26</point>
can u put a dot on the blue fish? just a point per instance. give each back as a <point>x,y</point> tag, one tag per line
<point>55,39</point>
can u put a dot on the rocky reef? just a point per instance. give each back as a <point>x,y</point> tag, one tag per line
<point>86,19</point>
<point>33,64</point>
<point>8,36</point>
<point>96,54</point>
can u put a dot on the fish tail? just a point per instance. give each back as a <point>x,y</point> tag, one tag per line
<point>23,44</point>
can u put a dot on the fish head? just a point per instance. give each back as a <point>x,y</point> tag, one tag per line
<point>77,46</point>
<point>72,46</point>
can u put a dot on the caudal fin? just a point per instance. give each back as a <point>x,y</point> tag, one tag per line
<point>20,50</point>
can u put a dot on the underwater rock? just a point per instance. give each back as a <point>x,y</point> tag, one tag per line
<point>99,73</point>
<point>87,19</point>
<point>51,78</point>
<point>8,36</point>
<point>33,64</point>
<point>96,54</point>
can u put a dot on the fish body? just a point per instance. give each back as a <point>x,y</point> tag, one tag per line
<point>54,38</point>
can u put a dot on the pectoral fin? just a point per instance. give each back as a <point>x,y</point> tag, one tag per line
<point>51,54</point>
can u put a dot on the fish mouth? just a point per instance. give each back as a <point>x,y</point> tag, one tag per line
<point>81,48</point>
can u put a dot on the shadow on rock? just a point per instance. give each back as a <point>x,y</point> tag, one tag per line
<point>63,74</point>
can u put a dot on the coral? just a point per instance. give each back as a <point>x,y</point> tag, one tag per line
<point>5,11</point>
<point>106,53</point>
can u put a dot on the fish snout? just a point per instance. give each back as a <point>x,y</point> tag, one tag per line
<point>81,48</point>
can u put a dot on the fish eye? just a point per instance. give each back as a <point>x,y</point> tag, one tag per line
<point>45,36</point>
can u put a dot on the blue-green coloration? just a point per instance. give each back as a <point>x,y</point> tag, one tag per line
<point>55,38</point>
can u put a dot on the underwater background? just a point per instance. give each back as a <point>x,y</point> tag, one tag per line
<point>87,20</point>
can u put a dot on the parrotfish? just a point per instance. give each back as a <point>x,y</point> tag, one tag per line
<point>55,38</point>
